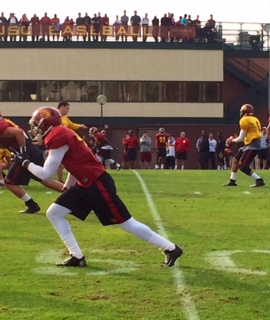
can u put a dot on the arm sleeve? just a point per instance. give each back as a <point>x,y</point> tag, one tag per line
<point>51,164</point>
<point>241,136</point>
<point>73,126</point>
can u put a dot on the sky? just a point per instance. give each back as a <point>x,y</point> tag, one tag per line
<point>225,11</point>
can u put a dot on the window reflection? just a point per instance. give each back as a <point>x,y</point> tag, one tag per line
<point>112,90</point>
<point>132,91</point>
<point>116,91</point>
<point>90,90</point>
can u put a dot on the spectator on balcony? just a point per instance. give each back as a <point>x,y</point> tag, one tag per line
<point>35,23</point>
<point>80,22</point>
<point>105,22</point>
<point>145,24</point>
<point>163,28</point>
<point>55,21</point>
<point>170,23</point>
<point>96,22</point>
<point>212,22</point>
<point>185,20</point>
<point>178,23</point>
<point>3,27</point>
<point>124,20</point>
<point>67,29</point>
<point>45,27</point>
<point>24,23</point>
<point>197,22</point>
<point>155,24</point>
<point>117,24</point>
<point>135,22</point>
<point>87,22</point>
<point>12,21</point>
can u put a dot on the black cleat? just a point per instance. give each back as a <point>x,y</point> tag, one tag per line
<point>73,262</point>
<point>34,208</point>
<point>258,183</point>
<point>230,183</point>
<point>172,256</point>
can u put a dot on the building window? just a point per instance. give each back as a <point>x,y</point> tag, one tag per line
<point>211,92</point>
<point>112,90</point>
<point>71,90</point>
<point>9,91</point>
<point>90,90</point>
<point>173,91</point>
<point>132,91</point>
<point>50,91</point>
<point>152,91</point>
<point>193,92</point>
<point>29,91</point>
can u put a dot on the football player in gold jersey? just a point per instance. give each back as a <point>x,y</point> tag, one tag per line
<point>250,134</point>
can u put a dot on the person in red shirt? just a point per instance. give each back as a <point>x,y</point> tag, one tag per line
<point>45,27</point>
<point>182,146</point>
<point>105,21</point>
<point>132,144</point>
<point>11,136</point>
<point>35,23</point>
<point>102,148</point>
<point>88,187</point>
<point>55,21</point>
<point>161,142</point>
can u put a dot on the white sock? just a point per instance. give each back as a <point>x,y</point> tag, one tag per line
<point>57,216</point>
<point>255,176</point>
<point>143,232</point>
<point>162,166</point>
<point>233,175</point>
<point>182,167</point>
<point>25,197</point>
<point>118,165</point>
<point>175,167</point>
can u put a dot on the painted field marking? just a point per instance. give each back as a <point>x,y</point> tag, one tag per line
<point>197,192</point>
<point>48,192</point>
<point>246,192</point>
<point>189,307</point>
<point>222,260</point>
<point>52,256</point>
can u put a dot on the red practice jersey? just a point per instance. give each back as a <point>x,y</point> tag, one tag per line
<point>6,143</point>
<point>161,140</point>
<point>79,160</point>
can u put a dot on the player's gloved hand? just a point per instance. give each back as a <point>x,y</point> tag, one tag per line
<point>20,158</point>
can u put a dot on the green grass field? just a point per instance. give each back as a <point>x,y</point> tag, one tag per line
<point>223,274</point>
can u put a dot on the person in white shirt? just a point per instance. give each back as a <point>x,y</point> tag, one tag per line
<point>170,153</point>
<point>263,153</point>
<point>145,24</point>
<point>212,150</point>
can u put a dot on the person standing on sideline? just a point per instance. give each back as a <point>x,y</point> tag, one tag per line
<point>170,153</point>
<point>145,151</point>
<point>202,146</point>
<point>95,189</point>
<point>250,133</point>
<point>161,141</point>
<point>212,150</point>
<point>132,144</point>
<point>182,146</point>
<point>220,151</point>
<point>263,153</point>
<point>63,107</point>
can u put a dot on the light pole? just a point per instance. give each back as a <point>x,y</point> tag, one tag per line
<point>101,100</point>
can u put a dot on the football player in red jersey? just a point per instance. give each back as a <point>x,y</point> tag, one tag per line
<point>161,141</point>
<point>103,147</point>
<point>95,189</point>
<point>11,136</point>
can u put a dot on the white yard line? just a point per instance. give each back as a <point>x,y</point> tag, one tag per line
<point>189,307</point>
